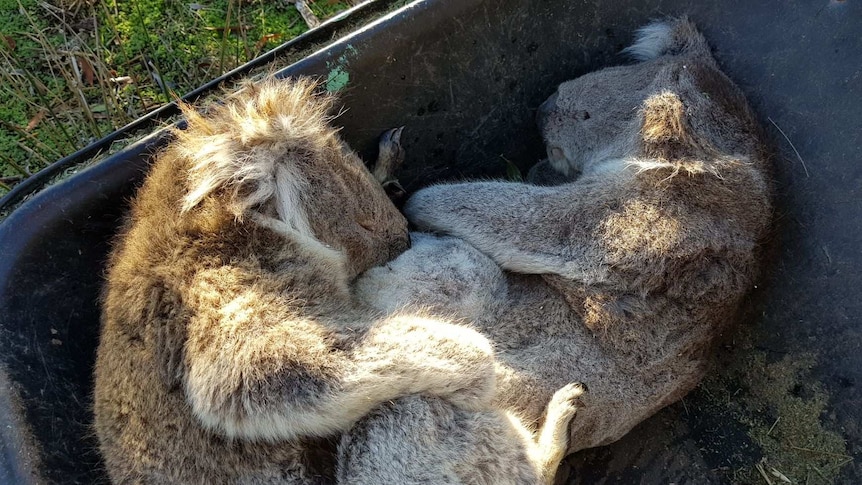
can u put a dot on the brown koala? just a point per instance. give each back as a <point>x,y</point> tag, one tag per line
<point>626,266</point>
<point>233,349</point>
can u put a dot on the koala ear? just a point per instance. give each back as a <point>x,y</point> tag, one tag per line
<point>667,139</point>
<point>664,119</point>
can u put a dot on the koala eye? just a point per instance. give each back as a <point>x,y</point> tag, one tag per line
<point>585,115</point>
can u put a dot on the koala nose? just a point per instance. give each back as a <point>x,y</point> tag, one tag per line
<point>545,109</point>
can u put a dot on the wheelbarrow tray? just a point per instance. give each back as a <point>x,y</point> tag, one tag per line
<point>465,78</point>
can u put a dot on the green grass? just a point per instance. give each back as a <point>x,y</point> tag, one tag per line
<point>72,71</point>
<point>782,409</point>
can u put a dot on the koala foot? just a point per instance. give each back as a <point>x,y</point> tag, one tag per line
<point>389,161</point>
<point>553,439</point>
<point>390,157</point>
<point>567,398</point>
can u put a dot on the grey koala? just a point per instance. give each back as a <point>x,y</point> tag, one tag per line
<point>238,345</point>
<point>234,350</point>
<point>627,258</point>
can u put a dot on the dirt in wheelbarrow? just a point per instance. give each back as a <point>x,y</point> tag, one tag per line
<point>760,417</point>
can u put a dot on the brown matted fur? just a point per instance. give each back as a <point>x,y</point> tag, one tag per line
<point>253,308</point>
<point>232,347</point>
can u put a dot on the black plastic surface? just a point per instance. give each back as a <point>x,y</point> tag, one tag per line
<point>465,77</point>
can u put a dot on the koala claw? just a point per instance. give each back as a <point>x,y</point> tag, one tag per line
<point>392,136</point>
<point>389,160</point>
<point>569,396</point>
<point>391,155</point>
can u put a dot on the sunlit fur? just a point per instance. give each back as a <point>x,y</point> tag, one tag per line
<point>418,439</point>
<point>252,143</point>
<point>233,349</point>
<point>630,260</point>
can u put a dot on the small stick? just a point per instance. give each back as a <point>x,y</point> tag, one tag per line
<point>310,19</point>
<point>791,146</point>
<point>838,466</point>
<point>826,252</point>
<point>763,474</point>
<point>779,475</point>
<point>839,455</point>
<point>817,470</point>
<point>773,426</point>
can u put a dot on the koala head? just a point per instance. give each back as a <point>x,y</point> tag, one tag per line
<point>349,210</point>
<point>270,150</point>
<point>589,119</point>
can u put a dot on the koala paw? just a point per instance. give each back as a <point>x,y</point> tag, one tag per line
<point>388,163</point>
<point>569,395</point>
<point>564,404</point>
<point>391,156</point>
<point>554,436</point>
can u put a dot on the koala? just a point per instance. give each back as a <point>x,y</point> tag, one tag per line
<point>234,349</point>
<point>625,259</point>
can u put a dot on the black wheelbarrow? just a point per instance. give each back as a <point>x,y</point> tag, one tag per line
<point>465,77</point>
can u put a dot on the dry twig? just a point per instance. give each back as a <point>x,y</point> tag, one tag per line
<point>791,146</point>
<point>310,19</point>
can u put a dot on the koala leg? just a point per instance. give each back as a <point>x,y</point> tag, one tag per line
<point>425,440</point>
<point>389,161</point>
<point>418,439</point>
<point>553,439</point>
<point>523,228</point>
<point>276,379</point>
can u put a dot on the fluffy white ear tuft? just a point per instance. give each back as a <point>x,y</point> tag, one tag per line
<point>217,162</point>
<point>671,36</point>
<point>651,41</point>
<point>289,190</point>
<point>250,149</point>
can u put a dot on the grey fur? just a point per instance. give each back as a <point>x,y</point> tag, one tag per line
<point>624,271</point>
<point>237,342</point>
<point>232,347</point>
